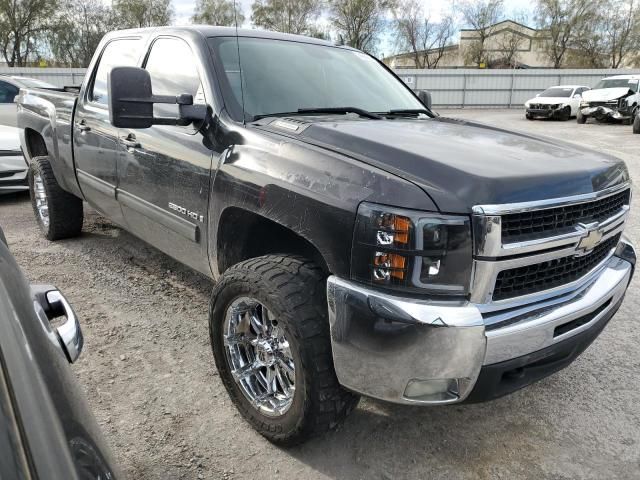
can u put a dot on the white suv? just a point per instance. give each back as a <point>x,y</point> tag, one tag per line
<point>613,98</point>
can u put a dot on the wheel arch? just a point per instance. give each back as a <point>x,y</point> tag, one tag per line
<point>244,234</point>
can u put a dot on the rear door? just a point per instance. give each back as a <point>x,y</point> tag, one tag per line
<point>164,171</point>
<point>95,140</point>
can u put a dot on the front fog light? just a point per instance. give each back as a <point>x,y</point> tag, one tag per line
<point>434,390</point>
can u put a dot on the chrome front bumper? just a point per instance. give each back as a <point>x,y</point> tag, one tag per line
<point>415,351</point>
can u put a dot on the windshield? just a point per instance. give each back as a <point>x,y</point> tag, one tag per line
<point>618,83</point>
<point>557,92</point>
<point>284,76</point>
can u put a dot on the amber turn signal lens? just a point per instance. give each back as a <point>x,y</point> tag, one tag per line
<point>401,226</point>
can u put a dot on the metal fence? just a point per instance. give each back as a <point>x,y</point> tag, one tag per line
<point>457,88</point>
<point>60,77</point>
<point>460,88</point>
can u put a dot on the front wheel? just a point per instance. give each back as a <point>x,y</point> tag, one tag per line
<point>270,338</point>
<point>636,123</point>
<point>581,119</point>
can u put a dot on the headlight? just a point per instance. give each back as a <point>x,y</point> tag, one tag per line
<point>412,250</point>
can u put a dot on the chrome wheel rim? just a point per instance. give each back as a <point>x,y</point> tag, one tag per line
<point>259,356</point>
<point>40,195</point>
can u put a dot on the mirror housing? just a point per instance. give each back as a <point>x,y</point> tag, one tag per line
<point>131,101</point>
<point>425,98</point>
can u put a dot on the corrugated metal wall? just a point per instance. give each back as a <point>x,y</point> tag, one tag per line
<point>496,88</point>
<point>60,77</point>
<point>449,87</point>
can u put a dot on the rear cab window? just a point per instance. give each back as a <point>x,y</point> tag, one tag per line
<point>122,52</point>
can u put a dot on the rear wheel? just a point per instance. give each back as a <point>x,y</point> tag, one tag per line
<point>270,338</point>
<point>59,214</point>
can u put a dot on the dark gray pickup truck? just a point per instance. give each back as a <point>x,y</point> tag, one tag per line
<point>360,243</point>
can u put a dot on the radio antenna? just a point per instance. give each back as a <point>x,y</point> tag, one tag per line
<point>235,20</point>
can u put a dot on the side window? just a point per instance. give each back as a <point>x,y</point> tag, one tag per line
<point>8,92</point>
<point>173,70</point>
<point>118,53</point>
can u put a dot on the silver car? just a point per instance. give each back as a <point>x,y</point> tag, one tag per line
<point>13,167</point>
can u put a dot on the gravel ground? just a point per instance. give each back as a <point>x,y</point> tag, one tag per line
<point>148,373</point>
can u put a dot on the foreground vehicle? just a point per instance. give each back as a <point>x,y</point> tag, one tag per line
<point>46,429</point>
<point>361,245</point>
<point>613,98</point>
<point>561,102</point>
<point>13,167</point>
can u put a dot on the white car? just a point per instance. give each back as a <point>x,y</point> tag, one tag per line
<point>562,102</point>
<point>613,98</point>
<point>13,167</point>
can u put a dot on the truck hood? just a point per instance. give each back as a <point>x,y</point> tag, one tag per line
<point>604,94</point>
<point>462,164</point>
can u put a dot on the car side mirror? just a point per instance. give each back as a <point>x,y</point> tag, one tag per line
<point>131,101</point>
<point>425,98</point>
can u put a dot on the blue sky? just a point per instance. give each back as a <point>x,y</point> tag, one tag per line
<point>184,10</point>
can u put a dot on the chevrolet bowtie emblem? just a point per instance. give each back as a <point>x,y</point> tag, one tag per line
<point>593,236</point>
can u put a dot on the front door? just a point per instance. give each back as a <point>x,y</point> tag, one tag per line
<point>95,139</point>
<point>164,171</point>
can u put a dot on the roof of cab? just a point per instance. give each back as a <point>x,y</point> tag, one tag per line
<point>212,31</point>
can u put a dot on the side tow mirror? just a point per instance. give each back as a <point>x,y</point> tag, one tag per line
<point>425,98</point>
<point>131,101</point>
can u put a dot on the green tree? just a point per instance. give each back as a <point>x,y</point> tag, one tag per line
<point>218,12</point>
<point>143,13</point>
<point>78,29</point>
<point>288,16</point>
<point>22,23</point>
<point>358,23</point>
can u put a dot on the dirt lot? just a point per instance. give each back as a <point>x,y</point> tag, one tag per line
<point>148,373</point>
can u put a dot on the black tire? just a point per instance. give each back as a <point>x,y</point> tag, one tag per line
<point>566,113</point>
<point>293,288</point>
<point>65,214</point>
<point>581,119</point>
<point>528,116</point>
<point>636,124</point>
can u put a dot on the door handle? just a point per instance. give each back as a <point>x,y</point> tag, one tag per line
<point>130,141</point>
<point>54,304</point>
<point>82,126</point>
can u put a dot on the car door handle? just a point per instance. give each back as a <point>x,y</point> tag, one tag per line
<point>82,126</point>
<point>54,304</point>
<point>130,141</point>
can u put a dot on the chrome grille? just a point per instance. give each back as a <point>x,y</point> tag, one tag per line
<point>535,278</point>
<point>527,252</point>
<point>516,225</point>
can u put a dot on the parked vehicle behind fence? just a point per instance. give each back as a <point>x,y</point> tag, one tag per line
<point>361,245</point>
<point>561,102</point>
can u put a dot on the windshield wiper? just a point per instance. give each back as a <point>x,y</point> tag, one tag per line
<point>400,112</point>
<point>359,111</point>
<point>306,111</point>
